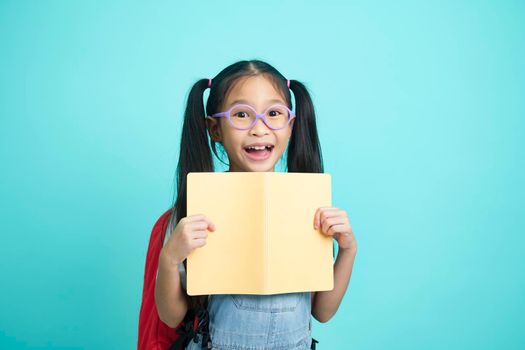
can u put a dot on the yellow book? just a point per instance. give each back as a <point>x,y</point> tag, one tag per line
<point>265,241</point>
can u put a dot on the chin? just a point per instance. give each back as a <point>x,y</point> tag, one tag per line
<point>266,167</point>
<point>260,169</point>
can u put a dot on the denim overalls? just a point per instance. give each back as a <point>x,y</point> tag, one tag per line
<point>257,322</point>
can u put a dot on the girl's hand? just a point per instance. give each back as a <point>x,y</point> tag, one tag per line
<point>189,234</point>
<point>334,222</point>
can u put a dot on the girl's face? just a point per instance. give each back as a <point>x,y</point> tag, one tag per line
<point>258,92</point>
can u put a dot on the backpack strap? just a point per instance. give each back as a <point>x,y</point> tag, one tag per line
<point>312,347</point>
<point>185,332</point>
<point>203,318</point>
<point>195,323</point>
<point>153,334</point>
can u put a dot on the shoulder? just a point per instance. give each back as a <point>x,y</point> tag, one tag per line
<point>160,227</point>
<point>164,218</point>
<point>166,224</point>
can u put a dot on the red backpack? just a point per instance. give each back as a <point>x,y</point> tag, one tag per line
<point>153,333</point>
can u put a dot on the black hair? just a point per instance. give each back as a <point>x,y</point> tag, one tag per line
<point>304,151</point>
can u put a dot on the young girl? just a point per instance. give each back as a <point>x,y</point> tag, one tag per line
<point>248,113</point>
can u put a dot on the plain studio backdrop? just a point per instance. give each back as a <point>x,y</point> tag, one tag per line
<point>420,111</point>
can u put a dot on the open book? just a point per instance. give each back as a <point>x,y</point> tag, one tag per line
<point>265,241</point>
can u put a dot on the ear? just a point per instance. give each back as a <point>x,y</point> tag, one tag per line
<point>214,128</point>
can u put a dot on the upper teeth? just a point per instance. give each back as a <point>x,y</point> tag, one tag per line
<point>258,147</point>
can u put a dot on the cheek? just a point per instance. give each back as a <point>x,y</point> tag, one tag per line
<point>232,141</point>
<point>286,137</point>
<point>283,143</point>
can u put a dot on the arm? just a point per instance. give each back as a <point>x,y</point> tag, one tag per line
<point>169,296</point>
<point>326,303</point>
<point>334,222</point>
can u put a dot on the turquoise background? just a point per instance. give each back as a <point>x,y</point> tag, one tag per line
<point>421,113</point>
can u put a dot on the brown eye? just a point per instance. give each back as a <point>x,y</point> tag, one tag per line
<point>241,115</point>
<point>277,112</point>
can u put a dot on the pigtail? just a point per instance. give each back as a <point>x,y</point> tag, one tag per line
<point>195,156</point>
<point>304,149</point>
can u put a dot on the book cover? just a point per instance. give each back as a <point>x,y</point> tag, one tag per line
<point>264,242</point>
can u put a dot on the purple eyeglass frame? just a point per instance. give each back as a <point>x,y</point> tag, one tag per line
<point>258,116</point>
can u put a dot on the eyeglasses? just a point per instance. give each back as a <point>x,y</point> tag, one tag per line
<point>243,116</point>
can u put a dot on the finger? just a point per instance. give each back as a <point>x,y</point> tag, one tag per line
<point>325,214</point>
<point>199,243</point>
<point>339,229</point>
<point>203,219</point>
<point>194,217</point>
<point>200,235</point>
<point>317,215</point>
<point>329,222</point>
<point>196,226</point>
<point>211,225</point>
<point>340,214</point>
<point>199,225</point>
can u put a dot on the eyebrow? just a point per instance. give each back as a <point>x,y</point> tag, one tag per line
<point>248,103</point>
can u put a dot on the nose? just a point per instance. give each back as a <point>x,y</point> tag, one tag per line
<point>259,128</point>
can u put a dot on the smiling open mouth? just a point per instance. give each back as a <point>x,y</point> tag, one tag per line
<point>259,152</point>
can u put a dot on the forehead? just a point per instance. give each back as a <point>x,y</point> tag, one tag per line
<point>258,91</point>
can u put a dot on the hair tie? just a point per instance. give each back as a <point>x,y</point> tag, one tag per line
<point>209,83</point>
<point>288,83</point>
